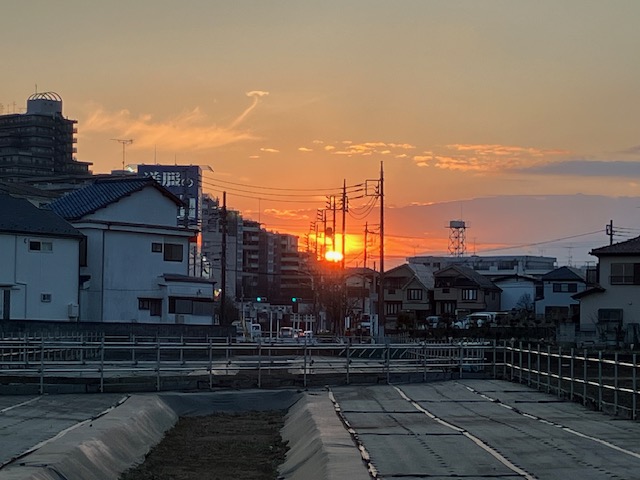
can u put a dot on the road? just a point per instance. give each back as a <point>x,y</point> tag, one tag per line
<point>478,429</point>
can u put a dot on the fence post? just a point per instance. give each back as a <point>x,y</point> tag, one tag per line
<point>102,365</point>
<point>520,364</point>
<point>548,368</point>
<point>182,349</point>
<point>559,371</point>
<point>259,364</point>
<point>388,361</point>
<point>600,380</point>
<point>42,366</point>
<point>349,359</point>
<point>304,354</point>
<point>513,364</point>
<point>571,374</point>
<point>134,342</point>
<point>461,359</point>
<point>424,361</point>
<point>615,385</point>
<point>158,364</point>
<point>211,362</point>
<point>584,378</point>
<point>634,388</point>
<point>528,364</point>
<point>538,368</point>
<point>495,359</point>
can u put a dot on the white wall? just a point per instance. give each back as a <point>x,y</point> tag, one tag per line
<point>52,272</point>
<point>512,291</point>
<point>625,297</point>
<point>147,207</point>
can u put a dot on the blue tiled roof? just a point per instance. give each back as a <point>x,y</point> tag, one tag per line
<point>18,215</point>
<point>100,194</point>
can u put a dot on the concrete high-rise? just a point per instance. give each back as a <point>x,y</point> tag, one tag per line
<point>39,144</point>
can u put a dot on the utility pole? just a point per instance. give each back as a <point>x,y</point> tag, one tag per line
<point>381,319</point>
<point>610,232</point>
<point>345,209</point>
<point>366,231</point>
<point>223,260</point>
<point>124,143</point>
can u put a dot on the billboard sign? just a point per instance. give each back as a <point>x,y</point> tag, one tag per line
<point>185,182</point>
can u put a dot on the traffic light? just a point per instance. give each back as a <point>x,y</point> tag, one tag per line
<point>261,299</point>
<point>294,301</point>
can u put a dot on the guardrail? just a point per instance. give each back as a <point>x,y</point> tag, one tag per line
<point>118,360</point>
<point>606,381</point>
<point>602,380</point>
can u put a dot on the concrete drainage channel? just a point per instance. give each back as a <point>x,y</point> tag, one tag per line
<point>106,445</point>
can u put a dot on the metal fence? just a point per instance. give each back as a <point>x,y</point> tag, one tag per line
<point>602,380</point>
<point>606,381</point>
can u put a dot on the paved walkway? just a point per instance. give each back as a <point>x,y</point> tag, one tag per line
<point>477,429</point>
<point>472,429</point>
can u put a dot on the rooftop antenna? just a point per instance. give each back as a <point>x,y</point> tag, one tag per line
<point>124,143</point>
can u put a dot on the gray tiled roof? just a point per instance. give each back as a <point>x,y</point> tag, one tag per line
<point>629,247</point>
<point>19,216</point>
<point>471,274</point>
<point>102,193</point>
<point>564,273</point>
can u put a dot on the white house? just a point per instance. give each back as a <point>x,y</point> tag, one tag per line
<point>137,255</point>
<point>558,288</point>
<point>518,291</point>
<point>39,263</point>
<point>611,308</point>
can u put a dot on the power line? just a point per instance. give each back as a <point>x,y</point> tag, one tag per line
<point>542,243</point>
<point>339,189</point>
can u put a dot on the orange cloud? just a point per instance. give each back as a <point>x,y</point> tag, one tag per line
<point>191,130</point>
<point>300,214</point>
<point>269,150</point>
<point>488,158</point>
<point>305,149</point>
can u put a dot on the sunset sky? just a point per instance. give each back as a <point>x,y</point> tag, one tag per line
<point>285,100</point>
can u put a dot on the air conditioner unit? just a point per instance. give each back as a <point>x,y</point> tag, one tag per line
<point>72,310</point>
<point>180,319</point>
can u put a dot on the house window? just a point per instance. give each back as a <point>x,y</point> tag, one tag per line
<point>173,252</point>
<point>469,294</point>
<point>392,308</point>
<point>414,294</point>
<point>38,246</point>
<point>156,247</point>
<point>45,297</point>
<point>154,305</point>
<point>190,306</point>
<point>625,274</point>
<point>565,287</point>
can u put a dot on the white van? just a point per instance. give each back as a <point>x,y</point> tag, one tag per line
<point>256,332</point>
<point>480,319</point>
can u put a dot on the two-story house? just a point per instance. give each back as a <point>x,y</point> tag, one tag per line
<point>407,293</point>
<point>137,255</point>
<point>39,263</point>
<point>460,291</point>
<point>610,309</point>
<point>558,287</point>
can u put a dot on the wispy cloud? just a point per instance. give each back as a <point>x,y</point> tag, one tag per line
<point>487,158</point>
<point>300,214</point>
<point>256,95</point>
<point>190,130</point>
<point>305,149</point>
<point>269,150</point>
<point>588,168</point>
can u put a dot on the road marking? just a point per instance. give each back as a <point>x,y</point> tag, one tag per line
<point>558,425</point>
<point>511,466</point>
<point>19,405</point>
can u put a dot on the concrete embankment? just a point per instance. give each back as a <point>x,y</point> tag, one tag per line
<point>107,445</point>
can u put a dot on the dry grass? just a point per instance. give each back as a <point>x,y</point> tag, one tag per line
<point>244,446</point>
